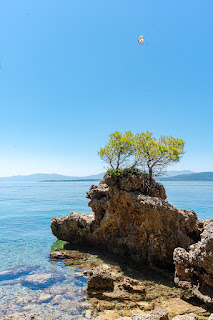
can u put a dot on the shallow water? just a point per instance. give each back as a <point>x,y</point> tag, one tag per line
<point>25,240</point>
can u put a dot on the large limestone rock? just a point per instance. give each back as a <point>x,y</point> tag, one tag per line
<point>131,219</point>
<point>194,267</point>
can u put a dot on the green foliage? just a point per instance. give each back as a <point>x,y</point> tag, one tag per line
<point>126,152</point>
<point>155,154</point>
<point>126,171</point>
<point>119,151</point>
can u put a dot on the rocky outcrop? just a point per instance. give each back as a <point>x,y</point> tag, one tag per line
<point>109,284</point>
<point>194,267</point>
<point>76,228</point>
<point>132,219</point>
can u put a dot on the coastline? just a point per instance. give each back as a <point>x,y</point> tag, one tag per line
<point>29,208</point>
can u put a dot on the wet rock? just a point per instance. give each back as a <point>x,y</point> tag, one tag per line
<point>72,256</point>
<point>194,267</point>
<point>132,220</point>
<point>76,258</point>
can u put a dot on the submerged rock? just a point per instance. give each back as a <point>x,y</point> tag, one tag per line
<point>76,258</point>
<point>41,280</point>
<point>194,267</point>
<point>16,272</point>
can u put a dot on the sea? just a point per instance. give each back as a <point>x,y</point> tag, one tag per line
<point>32,283</point>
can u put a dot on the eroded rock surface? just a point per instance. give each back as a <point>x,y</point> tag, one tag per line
<point>157,314</point>
<point>131,219</point>
<point>194,267</point>
<point>109,284</point>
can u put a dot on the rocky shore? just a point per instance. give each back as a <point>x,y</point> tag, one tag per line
<point>132,219</point>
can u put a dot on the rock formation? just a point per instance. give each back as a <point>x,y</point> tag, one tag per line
<point>194,267</point>
<point>131,219</point>
<point>108,283</point>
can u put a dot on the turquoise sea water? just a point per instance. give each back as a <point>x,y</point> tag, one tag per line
<point>25,240</point>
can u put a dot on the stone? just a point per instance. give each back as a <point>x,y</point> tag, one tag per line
<point>45,297</point>
<point>77,226</point>
<point>107,283</point>
<point>190,316</point>
<point>88,314</point>
<point>157,314</point>
<point>131,219</point>
<point>101,279</point>
<point>177,306</point>
<point>76,258</point>
<point>194,267</point>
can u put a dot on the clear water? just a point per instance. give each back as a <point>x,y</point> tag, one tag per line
<point>191,195</point>
<point>25,240</point>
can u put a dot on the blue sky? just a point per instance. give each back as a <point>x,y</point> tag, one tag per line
<point>72,72</point>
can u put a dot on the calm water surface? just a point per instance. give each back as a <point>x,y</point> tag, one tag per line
<point>25,240</point>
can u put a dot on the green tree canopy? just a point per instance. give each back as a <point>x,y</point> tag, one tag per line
<point>119,151</point>
<point>142,151</point>
<point>155,155</point>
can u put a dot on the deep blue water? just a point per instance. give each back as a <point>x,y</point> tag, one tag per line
<point>25,235</point>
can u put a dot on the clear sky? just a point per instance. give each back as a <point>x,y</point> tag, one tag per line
<point>72,72</point>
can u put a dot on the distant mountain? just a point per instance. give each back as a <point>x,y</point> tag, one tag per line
<point>176,173</point>
<point>58,177</point>
<point>48,177</point>
<point>201,176</point>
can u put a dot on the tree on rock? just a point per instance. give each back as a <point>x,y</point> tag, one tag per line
<point>155,155</point>
<point>129,151</point>
<point>119,151</point>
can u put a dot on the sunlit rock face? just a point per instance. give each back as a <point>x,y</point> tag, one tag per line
<point>131,218</point>
<point>194,267</point>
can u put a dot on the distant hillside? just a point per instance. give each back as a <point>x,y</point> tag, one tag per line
<point>48,177</point>
<point>58,177</point>
<point>176,173</point>
<point>201,176</point>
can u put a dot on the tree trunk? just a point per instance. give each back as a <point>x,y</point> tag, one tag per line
<point>150,181</point>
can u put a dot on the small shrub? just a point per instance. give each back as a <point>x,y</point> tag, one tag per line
<point>125,172</point>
